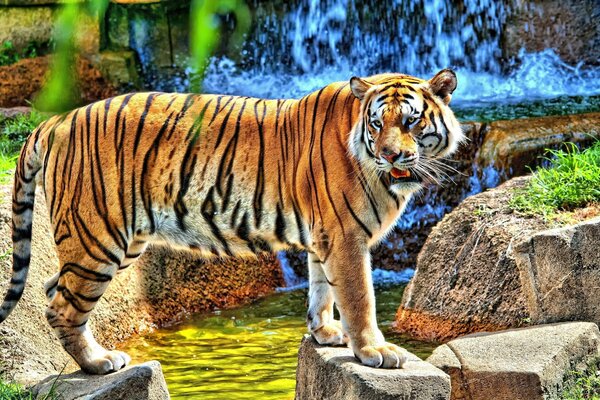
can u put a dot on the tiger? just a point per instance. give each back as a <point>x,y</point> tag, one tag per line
<point>230,176</point>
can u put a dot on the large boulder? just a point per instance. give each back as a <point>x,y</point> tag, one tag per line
<point>485,267</point>
<point>163,286</point>
<point>333,373</point>
<point>520,364</point>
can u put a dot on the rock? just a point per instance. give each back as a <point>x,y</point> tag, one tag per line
<point>512,148</point>
<point>23,25</point>
<point>334,373</point>
<point>466,278</point>
<point>569,28</point>
<point>560,273</point>
<point>137,382</point>
<point>519,364</point>
<point>505,270</point>
<point>14,111</point>
<point>119,68</point>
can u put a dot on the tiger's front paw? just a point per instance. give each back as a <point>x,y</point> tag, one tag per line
<point>387,355</point>
<point>330,334</point>
<point>110,361</point>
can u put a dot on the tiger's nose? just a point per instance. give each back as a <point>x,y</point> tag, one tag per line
<point>392,156</point>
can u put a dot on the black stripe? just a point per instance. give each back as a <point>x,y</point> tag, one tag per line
<point>260,172</point>
<point>301,232</point>
<point>142,121</point>
<point>84,273</point>
<point>280,225</point>
<point>234,214</point>
<point>68,296</point>
<point>13,295</point>
<point>224,125</point>
<point>208,212</point>
<point>20,263</point>
<point>358,221</point>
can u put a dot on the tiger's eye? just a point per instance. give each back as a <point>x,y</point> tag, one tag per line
<point>410,120</point>
<point>376,124</point>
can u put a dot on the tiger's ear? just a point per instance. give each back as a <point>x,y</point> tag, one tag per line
<point>443,84</point>
<point>359,87</point>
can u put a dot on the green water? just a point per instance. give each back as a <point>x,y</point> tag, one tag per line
<point>248,352</point>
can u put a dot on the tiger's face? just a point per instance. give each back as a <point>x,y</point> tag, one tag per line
<point>405,127</point>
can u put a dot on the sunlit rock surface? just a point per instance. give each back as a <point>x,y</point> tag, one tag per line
<point>333,373</point>
<point>138,382</point>
<point>485,268</point>
<point>560,273</point>
<point>520,364</point>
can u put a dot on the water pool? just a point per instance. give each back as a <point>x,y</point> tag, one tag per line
<point>248,352</point>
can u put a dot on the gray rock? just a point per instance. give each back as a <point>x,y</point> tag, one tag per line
<point>560,273</point>
<point>334,373</point>
<point>528,364</point>
<point>119,67</point>
<point>138,382</point>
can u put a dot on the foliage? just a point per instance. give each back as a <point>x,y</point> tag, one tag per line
<point>586,385</point>
<point>14,391</point>
<point>59,92</point>
<point>204,32</point>
<point>13,132</point>
<point>10,55</point>
<point>571,181</point>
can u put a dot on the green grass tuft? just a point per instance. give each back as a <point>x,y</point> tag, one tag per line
<point>584,386</point>
<point>14,391</point>
<point>13,132</point>
<point>572,180</point>
<point>10,55</point>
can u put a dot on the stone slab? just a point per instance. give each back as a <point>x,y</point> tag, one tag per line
<point>137,382</point>
<point>519,364</point>
<point>334,373</point>
<point>560,273</point>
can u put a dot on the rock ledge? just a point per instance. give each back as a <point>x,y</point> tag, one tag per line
<point>138,382</point>
<point>333,373</point>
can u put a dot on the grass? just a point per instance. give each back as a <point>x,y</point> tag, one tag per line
<point>10,55</point>
<point>584,386</point>
<point>13,132</point>
<point>572,180</point>
<point>14,391</point>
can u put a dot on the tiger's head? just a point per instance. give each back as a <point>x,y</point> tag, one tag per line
<point>405,126</point>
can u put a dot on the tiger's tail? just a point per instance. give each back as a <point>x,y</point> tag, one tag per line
<point>22,216</point>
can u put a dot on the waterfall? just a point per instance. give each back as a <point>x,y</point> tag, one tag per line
<point>299,46</point>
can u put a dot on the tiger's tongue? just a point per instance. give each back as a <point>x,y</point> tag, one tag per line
<point>397,173</point>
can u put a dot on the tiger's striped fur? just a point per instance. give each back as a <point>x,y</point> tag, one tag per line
<point>231,176</point>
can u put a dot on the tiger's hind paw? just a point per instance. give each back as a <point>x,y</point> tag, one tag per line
<point>330,334</point>
<point>111,361</point>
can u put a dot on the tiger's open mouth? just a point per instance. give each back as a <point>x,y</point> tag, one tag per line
<point>403,176</point>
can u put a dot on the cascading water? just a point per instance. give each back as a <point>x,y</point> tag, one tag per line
<point>294,48</point>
